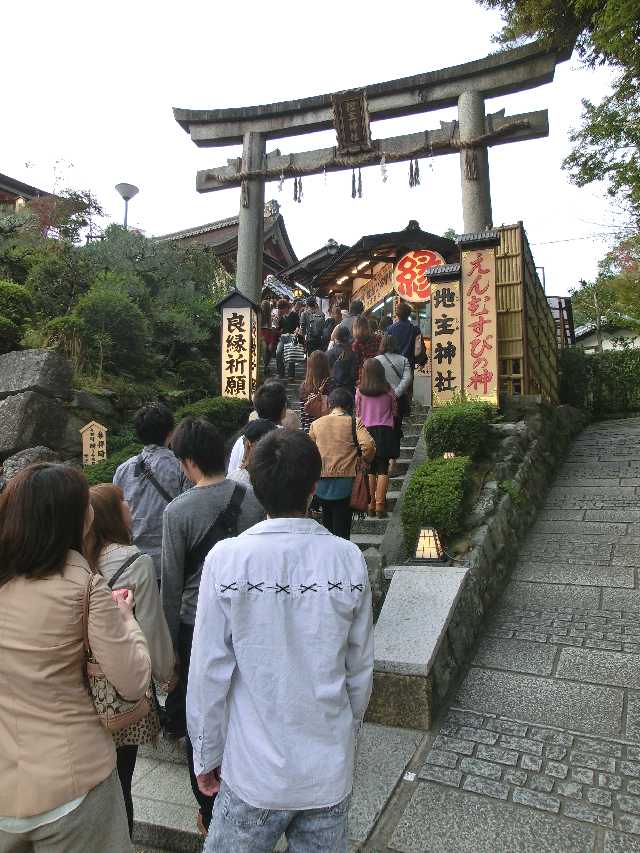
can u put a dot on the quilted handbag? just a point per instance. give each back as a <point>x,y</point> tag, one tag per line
<point>115,713</point>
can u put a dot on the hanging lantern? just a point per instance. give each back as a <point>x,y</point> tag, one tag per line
<point>429,545</point>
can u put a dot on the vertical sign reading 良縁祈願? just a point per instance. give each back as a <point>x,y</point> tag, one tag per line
<point>479,325</point>
<point>239,352</point>
<point>446,348</point>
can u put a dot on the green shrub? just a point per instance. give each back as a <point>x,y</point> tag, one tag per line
<point>435,498</point>
<point>10,335</point>
<point>114,329</point>
<point>15,302</point>
<point>226,413</point>
<point>103,472</point>
<point>576,377</point>
<point>616,381</point>
<point>461,426</point>
<point>196,375</point>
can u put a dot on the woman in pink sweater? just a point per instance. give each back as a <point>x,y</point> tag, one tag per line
<point>376,407</point>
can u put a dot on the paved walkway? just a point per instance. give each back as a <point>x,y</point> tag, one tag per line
<point>540,750</point>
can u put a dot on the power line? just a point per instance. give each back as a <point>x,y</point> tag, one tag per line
<point>573,239</point>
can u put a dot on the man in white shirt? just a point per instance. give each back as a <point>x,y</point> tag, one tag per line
<point>270,402</point>
<point>281,666</point>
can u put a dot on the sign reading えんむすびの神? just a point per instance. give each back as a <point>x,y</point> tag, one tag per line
<point>239,352</point>
<point>480,358</point>
<point>410,274</point>
<point>446,349</point>
<point>94,443</point>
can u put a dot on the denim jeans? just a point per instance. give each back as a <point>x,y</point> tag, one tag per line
<point>237,827</point>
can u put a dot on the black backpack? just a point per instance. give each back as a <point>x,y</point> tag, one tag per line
<point>224,527</point>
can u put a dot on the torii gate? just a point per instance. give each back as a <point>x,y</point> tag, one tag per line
<point>350,113</point>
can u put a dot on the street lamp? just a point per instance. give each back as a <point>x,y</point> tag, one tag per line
<point>127,191</point>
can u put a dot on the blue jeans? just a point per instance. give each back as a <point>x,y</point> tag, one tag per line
<point>237,827</point>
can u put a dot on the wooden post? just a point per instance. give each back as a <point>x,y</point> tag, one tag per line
<point>251,224</point>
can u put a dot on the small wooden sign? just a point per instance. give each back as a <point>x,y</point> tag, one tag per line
<point>94,443</point>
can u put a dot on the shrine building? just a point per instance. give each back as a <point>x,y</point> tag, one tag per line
<point>487,325</point>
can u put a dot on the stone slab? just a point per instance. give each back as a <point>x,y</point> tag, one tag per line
<point>382,756</point>
<point>619,842</point>
<point>439,820</point>
<point>168,783</point>
<point>621,599</point>
<point>516,655</point>
<point>600,667</point>
<point>401,700</point>
<point>614,515</point>
<point>550,595</point>
<point>426,568</point>
<point>593,528</point>
<point>413,620</point>
<point>579,574</point>
<point>544,700</point>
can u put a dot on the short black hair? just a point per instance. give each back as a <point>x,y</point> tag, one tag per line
<point>356,307</point>
<point>257,428</point>
<point>284,468</point>
<point>198,440</point>
<point>271,400</point>
<point>342,333</point>
<point>403,311</point>
<point>342,399</point>
<point>153,423</point>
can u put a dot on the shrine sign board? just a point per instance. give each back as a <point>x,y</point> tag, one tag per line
<point>377,288</point>
<point>238,347</point>
<point>446,344</point>
<point>410,274</point>
<point>94,443</point>
<point>480,347</point>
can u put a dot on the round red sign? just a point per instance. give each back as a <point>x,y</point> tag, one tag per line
<point>410,275</point>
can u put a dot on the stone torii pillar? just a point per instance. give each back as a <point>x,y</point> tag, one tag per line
<point>466,86</point>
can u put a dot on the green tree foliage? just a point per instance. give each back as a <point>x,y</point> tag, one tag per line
<point>607,146</point>
<point>56,279</point>
<point>226,413</point>
<point>10,335</point>
<point>15,302</point>
<point>113,328</point>
<point>604,383</point>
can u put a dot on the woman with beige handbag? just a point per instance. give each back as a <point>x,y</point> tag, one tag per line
<point>123,566</point>
<point>344,444</point>
<point>60,792</point>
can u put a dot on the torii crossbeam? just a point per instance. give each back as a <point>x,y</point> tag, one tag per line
<point>350,113</point>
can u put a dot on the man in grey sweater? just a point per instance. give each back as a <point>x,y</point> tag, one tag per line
<point>193,522</point>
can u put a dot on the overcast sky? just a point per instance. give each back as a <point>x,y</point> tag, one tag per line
<point>93,85</point>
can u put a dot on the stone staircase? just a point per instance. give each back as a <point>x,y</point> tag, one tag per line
<point>164,805</point>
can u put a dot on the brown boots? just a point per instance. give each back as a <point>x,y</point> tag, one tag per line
<point>378,485</point>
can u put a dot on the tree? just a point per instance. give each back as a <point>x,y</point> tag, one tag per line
<point>56,279</point>
<point>607,145</point>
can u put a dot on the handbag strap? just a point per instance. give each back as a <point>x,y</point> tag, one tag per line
<point>118,574</point>
<point>85,615</point>
<point>355,437</point>
<point>395,369</point>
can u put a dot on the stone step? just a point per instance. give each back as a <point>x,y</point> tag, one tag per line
<point>369,525</point>
<point>367,540</point>
<point>402,464</point>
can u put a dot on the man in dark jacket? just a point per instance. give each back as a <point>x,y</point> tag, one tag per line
<point>405,333</point>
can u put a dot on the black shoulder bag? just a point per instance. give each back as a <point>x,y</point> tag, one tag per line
<point>119,572</point>
<point>224,527</point>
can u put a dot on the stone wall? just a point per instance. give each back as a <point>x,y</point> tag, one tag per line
<point>528,455</point>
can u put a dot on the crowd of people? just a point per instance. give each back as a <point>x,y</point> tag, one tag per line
<point>209,581</point>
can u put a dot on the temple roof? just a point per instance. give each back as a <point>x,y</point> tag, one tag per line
<point>378,248</point>
<point>222,237</point>
<point>11,186</point>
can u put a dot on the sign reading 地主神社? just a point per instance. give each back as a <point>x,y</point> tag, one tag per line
<point>410,274</point>
<point>479,325</point>
<point>239,351</point>
<point>446,349</point>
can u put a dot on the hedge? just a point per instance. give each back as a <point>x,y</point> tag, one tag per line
<point>228,414</point>
<point>435,498</point>
<point>605,382</point>
<point>460,426</point>
<point>103,472</point>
